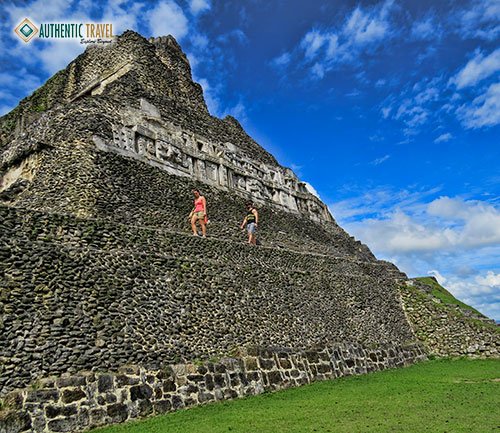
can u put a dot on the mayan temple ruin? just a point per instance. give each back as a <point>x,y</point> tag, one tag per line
<point>111,310</point>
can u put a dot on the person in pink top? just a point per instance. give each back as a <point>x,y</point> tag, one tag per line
<point>199,213</point>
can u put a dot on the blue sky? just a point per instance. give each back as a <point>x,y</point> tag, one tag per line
<point>389,109</point>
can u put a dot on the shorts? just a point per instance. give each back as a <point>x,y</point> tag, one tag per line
<point>251,228</point>
<point>200,215</point>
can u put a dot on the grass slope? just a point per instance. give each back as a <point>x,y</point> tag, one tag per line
<point>435,396</point>
<point>446,297</point>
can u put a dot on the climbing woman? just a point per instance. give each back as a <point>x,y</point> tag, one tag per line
<point>199,213</point>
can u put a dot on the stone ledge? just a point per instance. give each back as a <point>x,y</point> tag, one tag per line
<point>87,400</point>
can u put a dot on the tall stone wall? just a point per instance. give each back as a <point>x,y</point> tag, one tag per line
<point>447,330</point>
<point>74,403</point>
<point>77,178</point>
<point>81,294</point>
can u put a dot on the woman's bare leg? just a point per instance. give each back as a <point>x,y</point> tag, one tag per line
<point>193,225</point>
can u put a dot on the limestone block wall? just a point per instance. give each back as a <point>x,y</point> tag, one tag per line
<point>82,294</point>
<point>77,178</point>
<point>73,403</point>
<point>447,331</point>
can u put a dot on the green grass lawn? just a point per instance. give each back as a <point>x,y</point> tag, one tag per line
<point>435,396</point>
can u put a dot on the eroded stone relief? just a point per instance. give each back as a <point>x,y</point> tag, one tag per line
<point>222,164</point>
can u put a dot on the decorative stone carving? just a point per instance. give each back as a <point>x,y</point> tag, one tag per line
<point>183,153</point>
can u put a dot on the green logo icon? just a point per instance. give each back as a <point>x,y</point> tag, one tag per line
<point>26,30</point>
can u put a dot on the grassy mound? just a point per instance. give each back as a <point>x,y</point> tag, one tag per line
<point>436,396</point>
<point>439,292</point>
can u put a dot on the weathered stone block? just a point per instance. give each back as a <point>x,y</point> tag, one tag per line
<point>68,424</point>
<point>267,364</point>
<point>177,402</point>
<point>274,377</point>
<point>71,395</point>
<point>251,363</point>
<point>14,422</point>
<point>105,383</point>
<point>205,396</point>
<point>209,382</point>
<point>117,412</point>
<point>97,417</point>
<point>145,407</point>
<point>123,380</point>
<point>140,392</point>
<point>162,406</point>
<point>55,411</point>
<point>42,395</point>
<point>169,385</point>
<point>72,381</point>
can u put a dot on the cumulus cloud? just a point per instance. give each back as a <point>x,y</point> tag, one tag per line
<point>168,18</point>
<point>398,222</point>
<point>455,239</point>
<point>490,279</point>
<point>447,224</point>
<point>477,69</point>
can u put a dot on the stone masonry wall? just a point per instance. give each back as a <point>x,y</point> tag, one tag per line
<point>82,294</point>
<point>77,178</point>
<point>73,403</point>
<point>447,331</point>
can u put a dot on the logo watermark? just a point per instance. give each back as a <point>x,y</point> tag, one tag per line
<point>26,30</point>
<point>87,33</point>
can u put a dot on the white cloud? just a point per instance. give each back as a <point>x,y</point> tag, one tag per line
<point>380,160</point>
<point>480,20</point>
<point>168,18</point>
<point>123,15</point>
<point>443,138</point>
<point>362,30</point>
<point>313,41</point>
<point>199,6</point>
<point>318,71</point>
<point>56,55</point>
<point>281,61</point>
<point>238,111</point>
<point>401,223</point>
<point>199,41</point>
<point>367,27</point>
<point>39,11</point>
<point>480,292</point>
<point>210,94</point>
<point>454,239</point>
<point>477,69</point>
<point>484,110</point>
<point>490,279</point>
<point>426,29</point>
